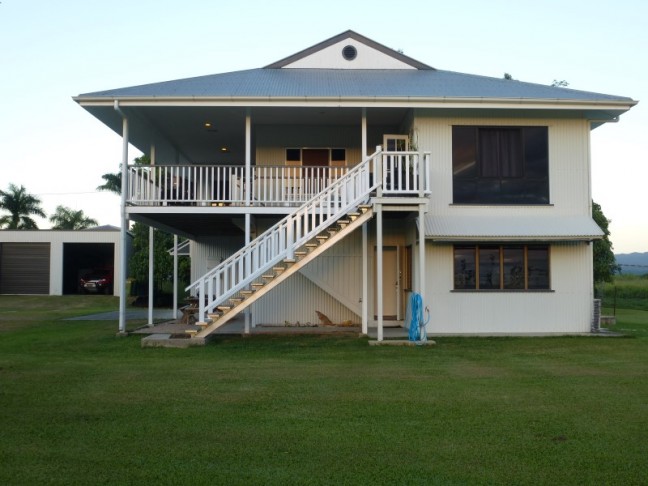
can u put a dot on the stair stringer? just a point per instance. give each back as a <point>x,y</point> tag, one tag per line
<point>291,270</point>
<point>348,301</point>
<point>280,242</point>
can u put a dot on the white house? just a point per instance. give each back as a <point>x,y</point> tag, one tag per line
<point>345,176</point>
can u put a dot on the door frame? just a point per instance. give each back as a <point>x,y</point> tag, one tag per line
<point>396,263</point>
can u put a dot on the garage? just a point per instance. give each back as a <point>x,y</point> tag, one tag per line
<point>24,268</point>
<point>52,262</point>
<point>81,259</point>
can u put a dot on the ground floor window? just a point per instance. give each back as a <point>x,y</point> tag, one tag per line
<point>501,267</point>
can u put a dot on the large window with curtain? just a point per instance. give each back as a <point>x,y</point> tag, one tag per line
<point>500,165</point>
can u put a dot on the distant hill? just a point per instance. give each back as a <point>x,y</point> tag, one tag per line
<point>633,263</point>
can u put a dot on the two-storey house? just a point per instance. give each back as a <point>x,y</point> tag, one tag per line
<point>346,176</point>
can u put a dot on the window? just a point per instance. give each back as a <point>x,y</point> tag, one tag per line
<point>501,267</point>
<point>316,157</point>
<point>500,165</point>
<point>338,155</point>
<point>293,155</point>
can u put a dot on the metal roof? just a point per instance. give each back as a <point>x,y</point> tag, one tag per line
<point>511,228</point>
<point>303,84</point>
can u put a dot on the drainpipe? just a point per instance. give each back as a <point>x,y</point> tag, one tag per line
<point>123,268</point>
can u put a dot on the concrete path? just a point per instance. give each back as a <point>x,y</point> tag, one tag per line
<point>130,314</point>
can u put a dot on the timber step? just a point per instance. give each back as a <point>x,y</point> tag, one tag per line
<point>274,275</point>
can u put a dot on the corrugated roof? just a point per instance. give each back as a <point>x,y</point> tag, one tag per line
<point>335,83</point>
<point>511,228</point>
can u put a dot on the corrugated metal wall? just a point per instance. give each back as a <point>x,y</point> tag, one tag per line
<point>568,164</point>
<point>24,268</point>
<point>565,309</point>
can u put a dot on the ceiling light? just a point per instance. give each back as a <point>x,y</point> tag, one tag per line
<point>207,124</point>
<point>225,149</point>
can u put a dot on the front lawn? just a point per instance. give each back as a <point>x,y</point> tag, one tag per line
<point>80,406</point>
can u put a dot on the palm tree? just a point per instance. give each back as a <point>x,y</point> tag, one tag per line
<point>21,206</point>
<point>68,219</point>
<point>112,183</point>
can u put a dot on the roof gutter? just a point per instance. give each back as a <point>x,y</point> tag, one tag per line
<point>386,102</point>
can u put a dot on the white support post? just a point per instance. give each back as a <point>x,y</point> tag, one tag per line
<point>248,157</point>
<point>378,170</point>
<point>123,263</point>
<point>421,238</point>
<point>151,297</point>
<point>248,237</point>
<point>379,269</point>
<point>364,134</point>
<point>175,276</point>
<point>365,281</point>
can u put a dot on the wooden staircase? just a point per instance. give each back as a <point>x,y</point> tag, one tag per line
<point>280,272</point>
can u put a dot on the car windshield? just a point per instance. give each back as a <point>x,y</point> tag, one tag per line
<point>96,276</point>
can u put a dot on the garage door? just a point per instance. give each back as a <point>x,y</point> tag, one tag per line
<point>24,268</point>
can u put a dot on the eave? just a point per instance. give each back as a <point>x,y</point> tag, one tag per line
<point>359,102</point>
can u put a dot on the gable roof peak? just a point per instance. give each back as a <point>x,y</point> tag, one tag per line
<point>349,50</point>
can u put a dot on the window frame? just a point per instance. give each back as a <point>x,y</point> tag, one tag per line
<point>473,274</point>
<point>332,161</point>
<point>515,170</point>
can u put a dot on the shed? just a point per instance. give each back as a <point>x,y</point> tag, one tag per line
<point>51,262</point>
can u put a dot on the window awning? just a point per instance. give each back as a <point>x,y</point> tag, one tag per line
<point>511,228</point>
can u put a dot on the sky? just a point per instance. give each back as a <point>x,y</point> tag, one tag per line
<point>53,50</point>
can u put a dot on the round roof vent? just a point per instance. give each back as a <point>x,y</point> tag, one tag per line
<point>349,53</point>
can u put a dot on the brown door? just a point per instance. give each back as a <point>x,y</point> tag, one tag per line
<point>315,157</point>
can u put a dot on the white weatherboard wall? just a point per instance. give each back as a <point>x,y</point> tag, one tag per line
<point>567,308</point>
<point>272,141</point>
<point>331,57</point>
<point>57,239</point>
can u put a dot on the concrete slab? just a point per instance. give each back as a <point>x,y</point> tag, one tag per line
<point>165,340</point>
<point>401,342</point>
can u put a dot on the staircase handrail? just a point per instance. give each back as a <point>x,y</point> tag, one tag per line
<point>283,238</point>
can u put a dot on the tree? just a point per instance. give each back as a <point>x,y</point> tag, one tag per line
<point>162,260</point>
<point>113,181</point>
<point>21,206</point>
<point>559,84</point>
<point>605,265</point>
<point>162,242</point>
<point>68,219</point>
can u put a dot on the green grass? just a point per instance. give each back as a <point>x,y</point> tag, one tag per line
<point>80,406</point>
<point>626,291</point>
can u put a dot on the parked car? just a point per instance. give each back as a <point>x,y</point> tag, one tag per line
<point>97,281</point>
